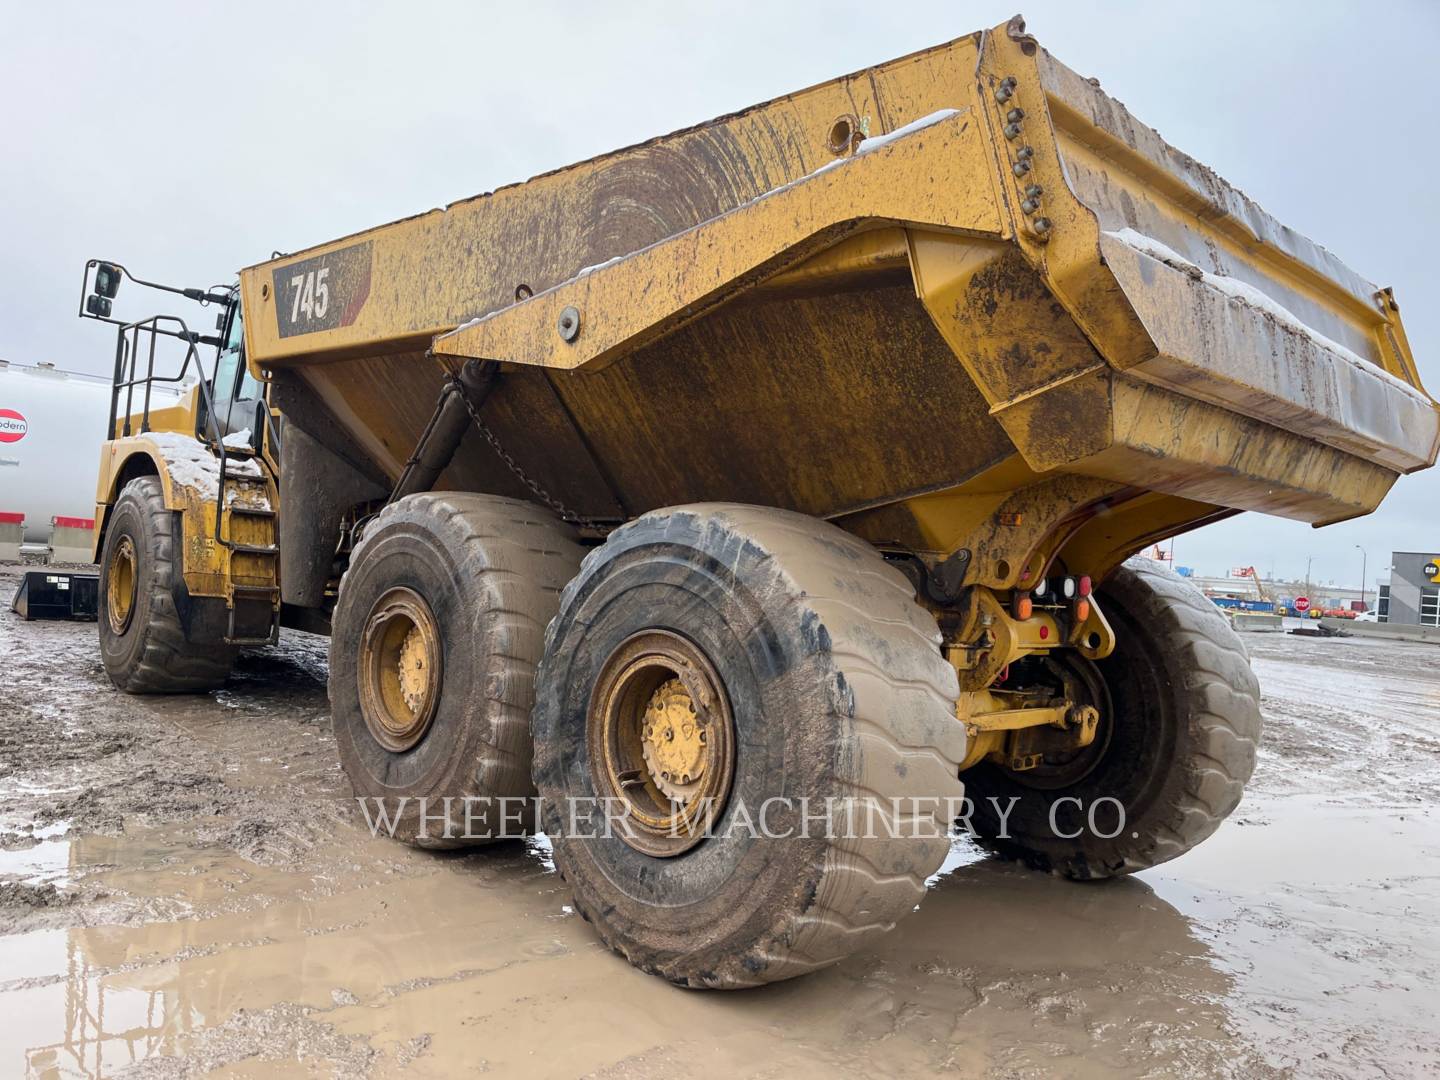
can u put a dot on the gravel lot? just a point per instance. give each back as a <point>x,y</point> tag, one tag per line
<point>185,887</point>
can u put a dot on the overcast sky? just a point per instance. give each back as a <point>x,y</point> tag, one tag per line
<point>188,140</point>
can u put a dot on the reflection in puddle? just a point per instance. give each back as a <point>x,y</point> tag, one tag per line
<point>67,1020</point>
<point>1001,968</point>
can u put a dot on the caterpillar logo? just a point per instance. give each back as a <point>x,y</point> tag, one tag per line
<point>1432,569</point>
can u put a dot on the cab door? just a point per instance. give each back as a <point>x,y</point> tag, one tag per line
<point>237,396</point>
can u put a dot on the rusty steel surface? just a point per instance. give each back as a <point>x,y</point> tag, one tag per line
<point>961,300</point>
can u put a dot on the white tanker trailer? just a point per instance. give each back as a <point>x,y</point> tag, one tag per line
<point>50,423</point>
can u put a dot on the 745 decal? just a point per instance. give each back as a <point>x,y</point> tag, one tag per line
<point>323,292</point>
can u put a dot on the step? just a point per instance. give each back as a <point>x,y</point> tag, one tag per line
<point>254,549</point>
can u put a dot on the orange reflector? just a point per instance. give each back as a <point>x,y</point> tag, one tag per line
<point>1024,607</point>
<point>1082,610</point>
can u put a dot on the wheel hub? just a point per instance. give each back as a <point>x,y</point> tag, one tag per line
<point>414,678</point>
<point>674,741</point>
<point>399,669</point>
<point>661,739</point>
<point>120,581</point>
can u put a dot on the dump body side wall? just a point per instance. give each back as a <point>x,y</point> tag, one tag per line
<point>427,274</point>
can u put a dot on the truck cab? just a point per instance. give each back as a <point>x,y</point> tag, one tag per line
<point>186,529</point>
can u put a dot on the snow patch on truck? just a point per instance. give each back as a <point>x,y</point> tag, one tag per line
<point>1253,297</point>
<point>191,464</point>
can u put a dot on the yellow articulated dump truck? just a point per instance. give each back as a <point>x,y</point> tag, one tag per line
<point>790,460</point>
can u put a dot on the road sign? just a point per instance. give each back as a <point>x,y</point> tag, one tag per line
<point>1302,604</point>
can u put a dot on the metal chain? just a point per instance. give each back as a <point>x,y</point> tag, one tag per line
<point>563,511</point>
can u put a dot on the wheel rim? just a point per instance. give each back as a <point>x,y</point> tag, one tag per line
<point>662,741</point>
<point>1082,683</point>
<point>120,577</point>
<point>400,670</point>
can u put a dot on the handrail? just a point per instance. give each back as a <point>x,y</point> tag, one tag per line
<point>126,378</point>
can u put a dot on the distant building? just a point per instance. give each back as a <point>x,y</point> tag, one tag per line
<point>1413,596</point>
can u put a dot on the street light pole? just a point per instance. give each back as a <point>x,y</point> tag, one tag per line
<point>1364,564</point>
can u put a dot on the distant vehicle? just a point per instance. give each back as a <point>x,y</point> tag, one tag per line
<point>1367,616</point>
<point>46,471</point>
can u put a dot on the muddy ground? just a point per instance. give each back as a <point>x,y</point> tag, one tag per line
<point>185,888</point>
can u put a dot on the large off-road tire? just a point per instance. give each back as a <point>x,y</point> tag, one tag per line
<point>824,679</point>
<point>145,642</point>
<point>455,588</point>
<point>1175,745</point>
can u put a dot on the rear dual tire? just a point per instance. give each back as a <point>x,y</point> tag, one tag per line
<point>830,675</point>
<point>1176,744</point>
<point>436,633</point>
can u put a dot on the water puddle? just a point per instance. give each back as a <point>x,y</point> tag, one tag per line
<point>1325,935</point>
<point>465,960</point>
<point>45,863</point>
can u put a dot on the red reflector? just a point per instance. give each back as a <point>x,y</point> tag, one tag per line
<point>1024,607</point>
<point>9,517</point>
<point>73,522</point>
<point>1044,631</point>
<point>1085,585</point>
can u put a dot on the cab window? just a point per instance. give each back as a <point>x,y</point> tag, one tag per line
<point>232,359</point>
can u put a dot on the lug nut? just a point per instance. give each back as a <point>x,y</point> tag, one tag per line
<point>1006,90</point>
<point>1015,115</point>
<point>1029,206</point>
<point>1012,131</point>
<point>1025,153</point>
<point>1021,167</point>
<point>1034,191</point>
<point>1041,225</point>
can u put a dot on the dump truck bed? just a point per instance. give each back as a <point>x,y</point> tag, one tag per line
<point>952,289</point>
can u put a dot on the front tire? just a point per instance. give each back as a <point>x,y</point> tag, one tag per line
<point>1175,750</point>
<point>436,633</point>
<point>805,659</point>
<point>143,639</point>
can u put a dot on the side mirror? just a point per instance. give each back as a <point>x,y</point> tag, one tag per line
<point>99,306</point>
<point>107,282</point>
